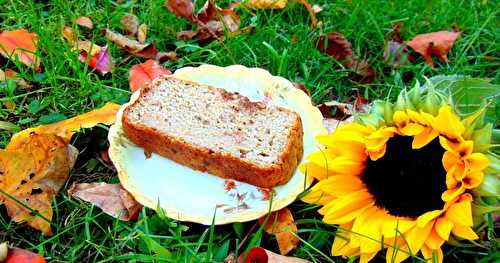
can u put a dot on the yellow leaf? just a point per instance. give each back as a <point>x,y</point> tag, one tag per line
<point>33,172</point>
<point>267,4</point>
<point>282,225</point>
<point>65,129</point>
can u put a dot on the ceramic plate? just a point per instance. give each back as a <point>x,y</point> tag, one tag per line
<point>189,195</point>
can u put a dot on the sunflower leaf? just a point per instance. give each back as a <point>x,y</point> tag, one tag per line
<point>470,94</point>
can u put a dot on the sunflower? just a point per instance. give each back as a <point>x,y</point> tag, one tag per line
<point>402,178</point>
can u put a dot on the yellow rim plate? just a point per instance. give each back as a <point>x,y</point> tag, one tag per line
<point>189,195</point>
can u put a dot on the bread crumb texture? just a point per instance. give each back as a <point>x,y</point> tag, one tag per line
<point>215,119</point>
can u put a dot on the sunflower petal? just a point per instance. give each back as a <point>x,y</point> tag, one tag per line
<point>366,257</point>
<point>443,227</point>
<point>397,252</point>
<point>448,123</point>
<point>422,139</point>
<point>451,194</point>
<point>341,185</point>
<point>314,170</point>
<point>412,129</point>
<point>460,213</point>
<point>346,208</point>
<point>473,180</point>
<point>316,196</point>
<point>424,219</point>
<point>450,160</point>
<point>477,161</point>
<point>434,241</point>
<point>396,226</point>
<point>417,236</point>
<point>464,232</point>
<point>430,254</point>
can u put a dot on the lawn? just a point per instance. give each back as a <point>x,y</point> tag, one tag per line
<point>282,43</point>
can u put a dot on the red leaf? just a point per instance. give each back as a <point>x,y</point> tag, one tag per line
<point>338,47</point>
<point>21,44</point>
<point>255,255</point>
<point>17,255</point>
<point>181,8</point>
<point>141,74</point>
<point>101,61</point>
<point>85,22</point>
<point>435,43</point>
<point>131,45</point>
<point>207,12</point>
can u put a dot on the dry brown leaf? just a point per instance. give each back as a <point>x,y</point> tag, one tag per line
<point>90,48</point>
<point>130,24</point>
<point>130,45</point>
<point>207,12</point>
<point>142,33</point>
<point>181,8</point>
<point>20,44</point>
<point>85,22</point>
<point>435,43</point>
<point>267,4</point>
<point>282,225</point>
<point>111,198</point>
<point>33,172</point>
<point>65,129</point>
<point>164,56</point>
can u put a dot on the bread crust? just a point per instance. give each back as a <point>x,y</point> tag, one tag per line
<point>222,164</point>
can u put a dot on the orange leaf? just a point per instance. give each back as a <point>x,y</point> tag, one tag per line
<point>111,198</point>
<point>141,74</point>
<point>281,224</point>
<point>337,46</point>
<point>32,174</point>
<point>65,129</point>
<point>85,22</point>
<point>17,255</point>
<point>21,44</point>
<point>435,43</point>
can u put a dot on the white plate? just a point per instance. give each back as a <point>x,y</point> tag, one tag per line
<point>189,195</point>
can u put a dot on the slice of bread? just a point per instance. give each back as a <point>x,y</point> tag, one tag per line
<point>215,131</point>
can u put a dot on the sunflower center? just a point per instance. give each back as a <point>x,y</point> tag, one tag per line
<point>405,181</point>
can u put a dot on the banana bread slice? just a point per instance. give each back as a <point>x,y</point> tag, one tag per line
<point>216,131</point>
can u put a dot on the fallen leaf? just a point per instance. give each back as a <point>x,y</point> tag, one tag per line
<point>130,24</point>
<point>70,35</point>
<point>260,255</point>
<point>312,13</point>
<point>17,255</point>
<point>282,225</point>
<point>142,33</point>
<point>33,172</point>
<point>164,56</point>
<point>302,87</point>
<point>111,198</point>
<point>337,46</point>
<point>85,22</point>
<point>181,8</point>
<point>101,61</point>
<point>66,128</point>
<point>89,47</point>
<point>435,43</point>
<point>10,74</point>
<point>207,12</point>
<point>396,54</point>
<point>267,4</point>
<point>131,46</point>
<point>361,104</point>
<point>141,74</point>
<point>20,44</point>
<point>332,124</point>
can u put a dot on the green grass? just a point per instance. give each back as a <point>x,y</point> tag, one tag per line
<point>281,43</point>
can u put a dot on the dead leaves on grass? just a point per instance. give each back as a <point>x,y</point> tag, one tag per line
<point>21,45</point>
<point>111,198</point>
<point>211,21</point>
<point>37,162</point>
